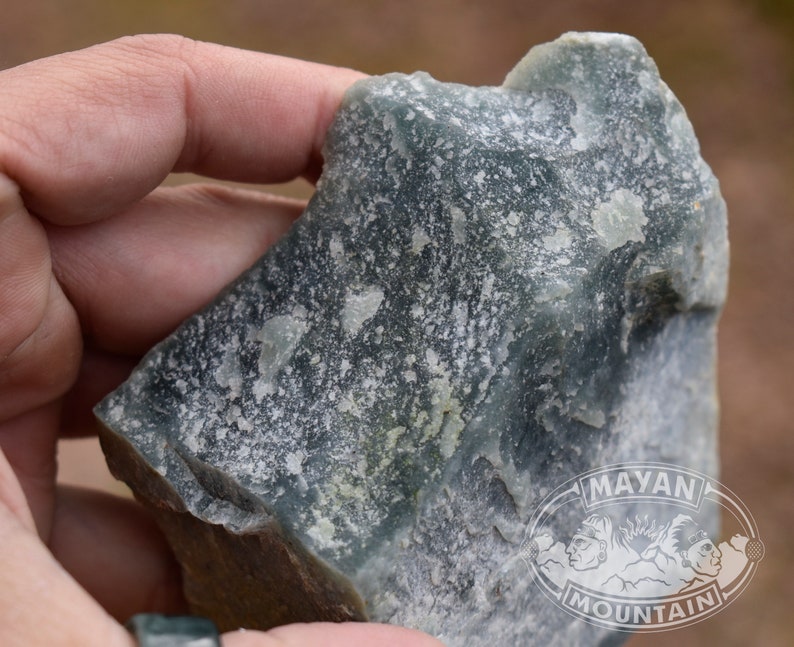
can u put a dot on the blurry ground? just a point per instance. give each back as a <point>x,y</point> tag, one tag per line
<point>731,62</point>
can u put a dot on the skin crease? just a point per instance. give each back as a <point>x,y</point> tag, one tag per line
<point>96,264</point>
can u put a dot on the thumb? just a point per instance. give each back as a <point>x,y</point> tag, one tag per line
<point>327,634</point>
<point>40,603</point>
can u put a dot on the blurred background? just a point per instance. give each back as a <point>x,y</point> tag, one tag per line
<point>730,62</point>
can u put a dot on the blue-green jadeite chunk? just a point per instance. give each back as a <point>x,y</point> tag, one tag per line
<point>493,289</point>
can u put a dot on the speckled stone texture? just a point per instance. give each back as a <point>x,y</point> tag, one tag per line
<point>493,290</point>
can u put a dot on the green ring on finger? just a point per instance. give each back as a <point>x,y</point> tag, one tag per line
<point>156,630</point>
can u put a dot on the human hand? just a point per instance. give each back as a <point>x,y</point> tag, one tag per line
<point>97,264</point>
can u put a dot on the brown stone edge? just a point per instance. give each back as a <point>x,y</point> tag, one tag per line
<point>256,579</point>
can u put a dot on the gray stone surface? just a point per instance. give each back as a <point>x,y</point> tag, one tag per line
<point>492,290</point>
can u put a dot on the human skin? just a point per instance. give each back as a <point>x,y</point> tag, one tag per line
<point>96,265</point>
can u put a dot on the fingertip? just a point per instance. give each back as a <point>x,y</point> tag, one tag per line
<point>102,127</point>
<point>328,634</point>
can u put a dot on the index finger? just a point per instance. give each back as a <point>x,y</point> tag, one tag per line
<point>88,133</point>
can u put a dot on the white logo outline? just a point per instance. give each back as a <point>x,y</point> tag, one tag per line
<point>679,578</point>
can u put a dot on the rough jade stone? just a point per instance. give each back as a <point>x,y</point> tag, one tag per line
<point>493,290</point>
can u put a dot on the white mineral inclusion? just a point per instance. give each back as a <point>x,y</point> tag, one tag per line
<point>558,241</point>
<point>293,462</point>
<point>585,125</point>
<point>458,219</point>
<point>279,337</point>
<point>322,532</point>
<point>419,239</point>
<point>620,220</point>
<point>228,374</point>
<point>336,249</point>
<point>360,306</point>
